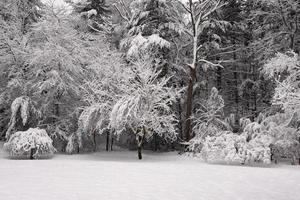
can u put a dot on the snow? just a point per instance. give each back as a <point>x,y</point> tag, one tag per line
<point>162,176</point>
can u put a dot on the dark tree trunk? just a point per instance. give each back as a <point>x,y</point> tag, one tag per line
<point>95,143</point>
<point>107,141</point>
<point>140,139</point>
<point>155,141</point>
<point>111,144</point>
<point>139,143</point>
<point>189,104</point>
<point>140,152</point>
<point>32,151</point>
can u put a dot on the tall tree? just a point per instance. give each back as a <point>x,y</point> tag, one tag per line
<point>200,15</point>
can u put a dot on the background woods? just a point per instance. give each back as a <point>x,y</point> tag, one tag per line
<point>218,78</point>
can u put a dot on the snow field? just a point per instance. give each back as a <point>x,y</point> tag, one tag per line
<point>159,176</point>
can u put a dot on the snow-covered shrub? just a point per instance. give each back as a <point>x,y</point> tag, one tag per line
<point>222,148</point>
<point>287,148</point>
<point>234,149</point>
<point>257,150</point>
<point>33,143</point>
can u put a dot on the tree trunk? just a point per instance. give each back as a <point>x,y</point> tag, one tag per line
<point>140,139</point>
<point>107,141</point>
<point>140,142</point>
<point>32,151</point>
<point>111,143</point>
<point>95,143</point>
<point>189,106</point>
<point>139,152</point>
<point>155,141</point>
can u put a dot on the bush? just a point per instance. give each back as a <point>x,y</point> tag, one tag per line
<point>33,143</point>
<point>222,148</point>
<point>235,149</point>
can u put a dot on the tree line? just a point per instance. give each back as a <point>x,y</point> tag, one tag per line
<point>196,74</point>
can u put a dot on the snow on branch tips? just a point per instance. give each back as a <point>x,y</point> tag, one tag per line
<point>93,119</point>
<point>145,108</point>
<point>22,109</point>
<point>33,143</point>
<point>285,69</point>
<point>208,121</point>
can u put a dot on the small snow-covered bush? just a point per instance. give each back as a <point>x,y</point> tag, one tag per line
<point>287,148</point>
<point>257,150</point>
<point>234,149</point>
<point>222,148</point>
<point>33,143</point>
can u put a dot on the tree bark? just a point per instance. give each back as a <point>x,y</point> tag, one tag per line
<point>189,102</point>
<point>95,143</point>
<point>140,141</point>
<point>107,141</point>
<point>32,151</point>
<point>140,152</point>
<point>111,143</point>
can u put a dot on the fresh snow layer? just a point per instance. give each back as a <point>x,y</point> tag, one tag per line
<point>163,176</point>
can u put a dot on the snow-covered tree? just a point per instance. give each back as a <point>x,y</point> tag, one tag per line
<point>208,121</point>
<point>56,61</point>
<point>145,107</point>
<point>94,13</point>
<point>200,19</point>
<point>276,27</point>
<point>284,69</point>
<point>101,91</point>
<point>16,18</point>
<point>146,30</point>
<point>59,58</point>
<point>33,143</point>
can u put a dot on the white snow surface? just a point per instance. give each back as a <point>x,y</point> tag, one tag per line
<point>120,176</point>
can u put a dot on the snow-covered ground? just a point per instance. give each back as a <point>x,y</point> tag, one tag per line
<point>163,176</point>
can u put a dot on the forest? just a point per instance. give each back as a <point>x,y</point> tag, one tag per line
<point>215,79</point>
<point>149,99</point>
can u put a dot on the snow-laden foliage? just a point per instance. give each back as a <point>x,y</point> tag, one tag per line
<point>146,104</point>
<point>235,149</point>
<point>93,120</point>
<point>110,79</point>
<point>137,44</point>
<point>146,30</point>
<point>208,121</point>
<point>261,141</point>
<point>285,69</point>
<point>223,147</point>
<point>22,109</point>
<point>58,60</point>
<point>94,14</point>
<point>33,143</point>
